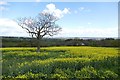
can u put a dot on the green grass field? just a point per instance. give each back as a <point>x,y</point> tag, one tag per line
<point>60,62</point>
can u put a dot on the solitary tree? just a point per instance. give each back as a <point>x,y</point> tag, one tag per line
<point>40,26</point>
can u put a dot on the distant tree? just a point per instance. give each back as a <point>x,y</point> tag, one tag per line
<point>40,26</point>
<point>109,38</point>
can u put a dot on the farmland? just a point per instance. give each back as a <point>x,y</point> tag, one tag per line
<point>60,62</point>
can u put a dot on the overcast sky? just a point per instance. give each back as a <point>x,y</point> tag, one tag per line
<point>77,19</point>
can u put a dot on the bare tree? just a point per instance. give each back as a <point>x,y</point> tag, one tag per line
<point>40,26</point>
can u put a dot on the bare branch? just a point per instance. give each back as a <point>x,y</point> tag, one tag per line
<point>42,25</point>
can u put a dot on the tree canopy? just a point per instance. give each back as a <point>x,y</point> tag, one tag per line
<point>40,26</point>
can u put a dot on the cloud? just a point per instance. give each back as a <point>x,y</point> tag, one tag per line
<point>51,8</point>
<point>82,9</point>
<point>9,27</point>
<point>89,32</point>
<point>89,23</point>
<point>66,10</point>
<point>37,0</point>
<point>3,3</point>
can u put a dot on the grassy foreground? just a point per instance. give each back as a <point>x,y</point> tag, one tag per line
<point>60,62</point>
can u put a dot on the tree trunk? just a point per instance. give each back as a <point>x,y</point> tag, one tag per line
<point>38,44</point>
<point>38,47</point>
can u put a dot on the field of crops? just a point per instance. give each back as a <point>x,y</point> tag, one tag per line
<point>60,62</point>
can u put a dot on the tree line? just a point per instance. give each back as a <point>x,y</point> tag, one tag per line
<point>47,42</point>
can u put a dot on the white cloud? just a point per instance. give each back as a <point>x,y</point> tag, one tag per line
<point>9,27</point>
<point>89,23</point>
<point>89,32</point>
<point>66,10</point>
<point>51,8</point>
<point>37,0</point>
<point>3,3</point>
<point>81,8</point>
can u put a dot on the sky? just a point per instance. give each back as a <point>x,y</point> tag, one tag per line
<point>62,0</point>
<point>77,19</point>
